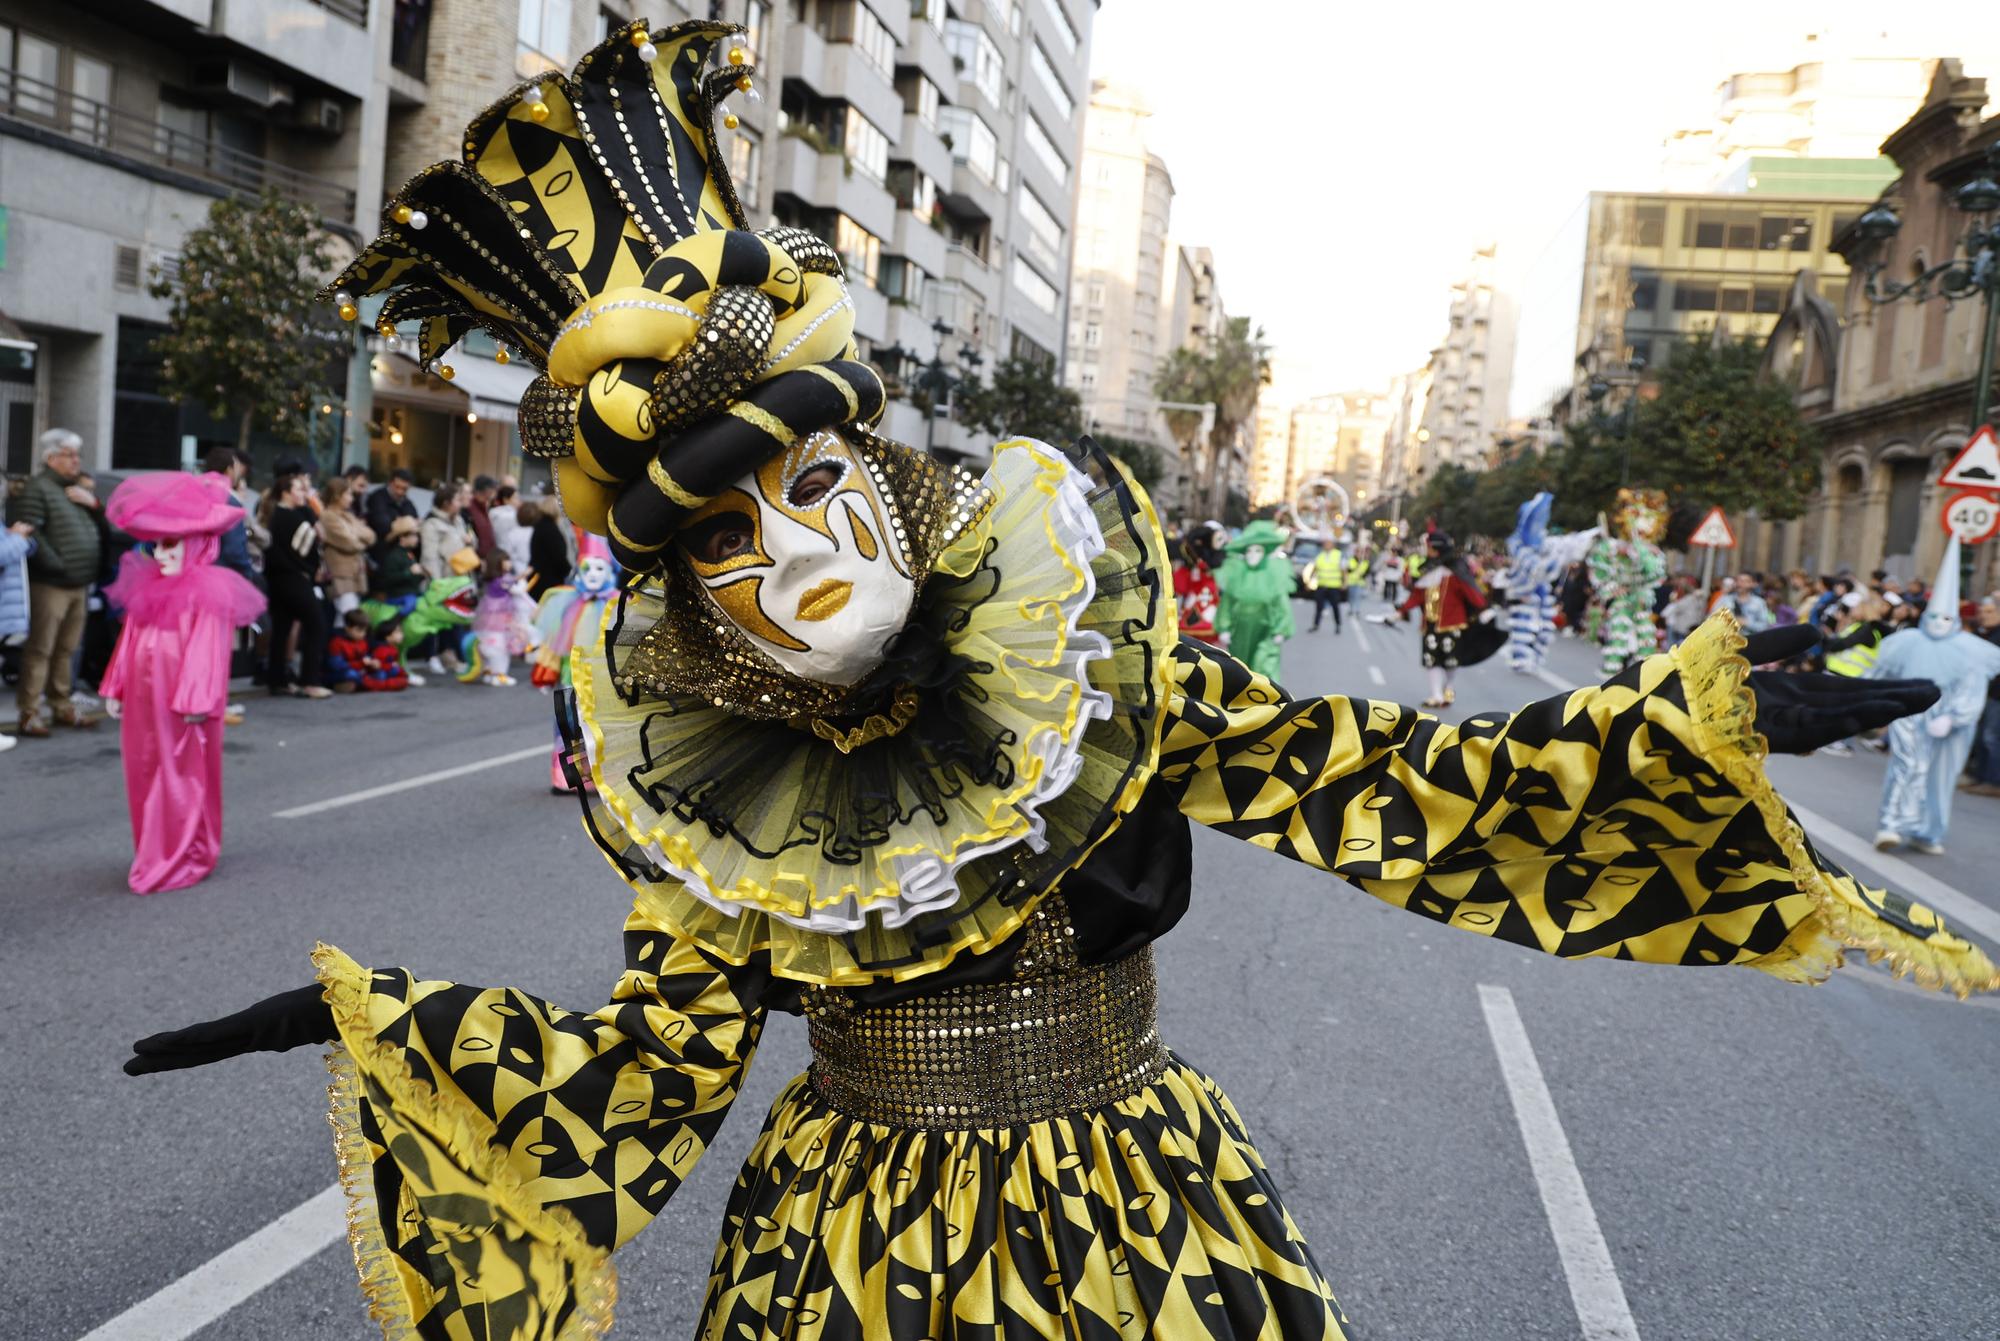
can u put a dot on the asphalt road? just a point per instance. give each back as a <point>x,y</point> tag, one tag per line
<point>1764,1162</point>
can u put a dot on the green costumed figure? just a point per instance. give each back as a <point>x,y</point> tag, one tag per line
<point>1625,567</point>
<point>1255,615</point>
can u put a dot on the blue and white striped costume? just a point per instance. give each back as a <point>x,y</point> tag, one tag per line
<point>1533,569</point>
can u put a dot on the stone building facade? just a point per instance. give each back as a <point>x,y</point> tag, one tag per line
<point>1888,387</point>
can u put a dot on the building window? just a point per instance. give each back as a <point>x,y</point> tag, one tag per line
<point>853,22</point>
<point>1649,226</point>
<point>866,147</point>
<point>1769,298</point>
<point>902,281</point>
<point>972,141</point>
<point>1086,380</point>
<point>1646,294</point>
<point>541,36</point>
<point>1044,149</point>
<point>1051,82</point>
<point>1035,289</point>
<point>1045,235</point>
<point>920,96</point>
<point>914,190</point>
<point>743,157</point>
<point>1096,294</point>
<point>930,11</point>
<point>1692,297</point>
<point>1093,335</point>
<point>1021,347</point>
<point>1734,298</point>
<point>860,250</point>
<point>1059,24</point>
<point>1777,232</point>
<point>756,18</point>
<point>145,424</point>
<point>978,56</point>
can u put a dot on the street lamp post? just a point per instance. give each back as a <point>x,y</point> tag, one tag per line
<point>938,381</point>
<point>1973,269</point>
<point>1600,388</point>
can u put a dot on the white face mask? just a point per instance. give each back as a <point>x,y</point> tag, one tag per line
<point>1253,555</point>
<point>595,576</point>
<point>171,555</point>
<point>801,555</point>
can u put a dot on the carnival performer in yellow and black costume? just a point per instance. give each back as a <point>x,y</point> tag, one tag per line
<point>914,754</point>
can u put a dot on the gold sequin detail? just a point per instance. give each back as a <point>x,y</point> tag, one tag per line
<point>1056,1037</point>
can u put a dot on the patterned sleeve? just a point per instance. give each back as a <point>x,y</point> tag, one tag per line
<point>496,1148</point>
<point>1631,821</point>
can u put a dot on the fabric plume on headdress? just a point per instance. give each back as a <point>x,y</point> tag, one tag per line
<point>194,511</point>
<point>590,225</point>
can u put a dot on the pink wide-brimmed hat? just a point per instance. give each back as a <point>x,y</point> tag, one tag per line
<point>170,505</point>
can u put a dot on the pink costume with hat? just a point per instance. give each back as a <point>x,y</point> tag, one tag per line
<point>169,675</point>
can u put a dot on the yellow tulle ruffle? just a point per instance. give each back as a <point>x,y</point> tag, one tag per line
<point>1910,938</point>
<point>1066,620</point>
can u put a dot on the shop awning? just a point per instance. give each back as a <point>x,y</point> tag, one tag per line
<point>493,388</point>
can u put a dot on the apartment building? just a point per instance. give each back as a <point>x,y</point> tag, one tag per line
<point>1466,404</point>
<point>120,122</point>
<point>934,145</point>
<point>1118,328</point>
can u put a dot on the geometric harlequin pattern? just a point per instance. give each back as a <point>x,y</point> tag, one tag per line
<point>511,1144</point>
<point>1584,825</point>
<point>1151,1218</point>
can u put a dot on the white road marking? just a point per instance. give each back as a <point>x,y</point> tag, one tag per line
<point>409,784</point>
<point>1362,633</point>
<point>1553,680</point>
<point>227,1279</point>
<point>1586,1260</point>
<point>1962,910</point>
<point>1376,676</point>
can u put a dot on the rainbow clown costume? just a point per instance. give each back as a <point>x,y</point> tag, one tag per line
<point>914,754</point>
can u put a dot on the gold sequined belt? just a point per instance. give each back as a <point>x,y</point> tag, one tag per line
<point>992,1055</point>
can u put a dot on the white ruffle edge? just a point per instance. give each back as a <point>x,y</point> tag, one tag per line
<point>929,883</point>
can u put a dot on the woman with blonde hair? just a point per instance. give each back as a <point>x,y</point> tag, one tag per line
<point>344,542</point>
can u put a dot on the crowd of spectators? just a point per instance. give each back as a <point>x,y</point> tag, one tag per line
<point>342,561</point>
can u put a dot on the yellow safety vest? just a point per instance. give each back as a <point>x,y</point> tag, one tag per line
<point>1855,661</point>
<point>1356,570</point>
<point>1329,569</point>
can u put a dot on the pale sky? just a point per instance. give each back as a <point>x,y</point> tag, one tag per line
<point>1345,159</point>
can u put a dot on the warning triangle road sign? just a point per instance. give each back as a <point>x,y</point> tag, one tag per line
<point>1977,465</point>
<point>1714,531</point>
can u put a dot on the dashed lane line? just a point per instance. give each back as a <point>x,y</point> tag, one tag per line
<point>1361,632</point>
<point>410,784</point>
<point>1594,1287</point>
<point>189,1304</point>
<point>1376,677</point>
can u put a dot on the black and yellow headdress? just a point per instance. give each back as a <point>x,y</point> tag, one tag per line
<point>590,225</point>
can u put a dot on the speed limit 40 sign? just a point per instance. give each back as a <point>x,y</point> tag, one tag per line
<point>1972,517</point>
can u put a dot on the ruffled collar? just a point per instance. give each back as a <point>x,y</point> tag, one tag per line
<point>1036,660</point>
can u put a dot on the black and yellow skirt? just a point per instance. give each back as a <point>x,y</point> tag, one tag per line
<point>1151,1216</point>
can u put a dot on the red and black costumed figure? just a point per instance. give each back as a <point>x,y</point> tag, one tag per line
<point>1195,591</point>
<point>1458,627</point>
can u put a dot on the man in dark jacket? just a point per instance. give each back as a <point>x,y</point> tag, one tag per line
<point>67,518</point>
<point>478,514</point>
<point>227,467</point>
<point>386,504</point>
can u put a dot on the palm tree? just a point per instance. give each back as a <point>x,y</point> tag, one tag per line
<point>1228,371</point>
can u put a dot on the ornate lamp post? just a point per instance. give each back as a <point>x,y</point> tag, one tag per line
<point>935,379</point>
<point>1973,269</point>
<point>1599,388</point>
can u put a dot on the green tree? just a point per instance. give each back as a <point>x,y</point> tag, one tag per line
<point>1228,371</point>
<point>1023,399</point>
<point>248,338</point>
<point>1445,499</point>
<point>1143,459</point>
<point>1715,434</point>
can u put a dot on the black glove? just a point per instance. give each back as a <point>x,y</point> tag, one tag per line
<point>1798,713</point>
<point>275,1024</point>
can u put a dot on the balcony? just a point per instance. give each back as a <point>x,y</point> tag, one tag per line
<point>33,110</point>
<point>922,144</point>
<point>965,267</point>
<point>967,193</point>
<point>926,50</point>
<point>839,70</point>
